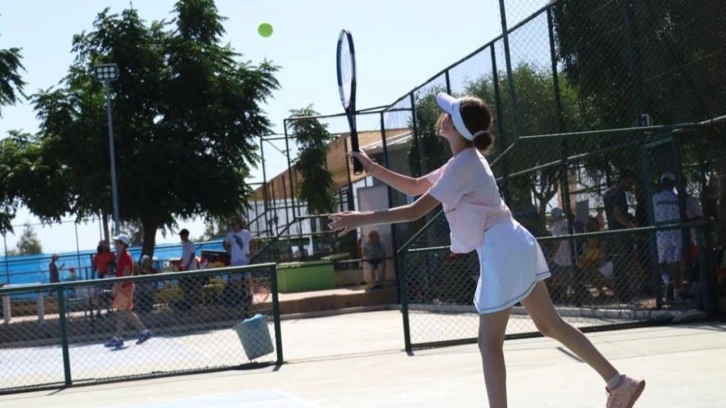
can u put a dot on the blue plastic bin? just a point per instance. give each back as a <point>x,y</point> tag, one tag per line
<point>255,336</point>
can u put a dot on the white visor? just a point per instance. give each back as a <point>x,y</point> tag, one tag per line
<point>452,106</point>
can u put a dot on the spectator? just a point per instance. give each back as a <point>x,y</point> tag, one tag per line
<point>594,265</point>
<point>669,242</point>
<point>374,257</point>
<point>147,290</point>
<point>192,286</point>
<point>616,202</point>
<point>147,266</point>
<point>694,213</point>
<point>239,244</point>
<point>620,246</point>
<point>562,273</point>
<point>189,258</point>
<point>102,258</point>
<point>123,293</point>
<point>103,266</point>
<point>54,270</point>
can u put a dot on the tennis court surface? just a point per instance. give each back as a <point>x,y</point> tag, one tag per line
<point>355,360</point>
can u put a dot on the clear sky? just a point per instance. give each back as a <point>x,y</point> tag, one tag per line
<point>399,44</point>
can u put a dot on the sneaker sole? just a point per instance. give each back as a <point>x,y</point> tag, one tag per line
<point>142,341</point>
<point>638,391</point>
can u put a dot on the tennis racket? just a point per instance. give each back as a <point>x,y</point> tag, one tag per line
<point>346,87</point>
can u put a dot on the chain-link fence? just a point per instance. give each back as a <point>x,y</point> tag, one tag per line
<point>60,334</point>
<point>583,94</point>
<point>600,279</point>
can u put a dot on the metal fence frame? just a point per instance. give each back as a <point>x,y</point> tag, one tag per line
<point>63,336</point>
<point>582,316</point>
<point>563,136</point>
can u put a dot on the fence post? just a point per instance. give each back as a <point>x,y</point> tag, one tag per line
<point>276,316</point>
<point>415,135</point>
<point>390,190</point>
<point>402,288</point>
<point>646,178</point>
<point>500,127</point>
<point>560,124</point>
<point>508,64</point>
<point>64,336</point>
<point>289,171</point>
<point>7,268</point>
<point>634,59</point>
<point>265,195</point>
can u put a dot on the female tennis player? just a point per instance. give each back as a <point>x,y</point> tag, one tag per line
<point>512,266</point>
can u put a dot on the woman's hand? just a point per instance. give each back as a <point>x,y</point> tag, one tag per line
<point>345,222</point>
<point>363,158</point>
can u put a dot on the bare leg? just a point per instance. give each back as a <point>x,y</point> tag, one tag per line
<point>120,324</point>
<point>133,318</point>
<point>550,324</point>
<point>492,328</point>
<point>674,270</point>
<point>125,316</point>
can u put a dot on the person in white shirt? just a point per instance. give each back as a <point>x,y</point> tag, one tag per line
<point>512,265</point>
<point>669,242</point>
<point>192,286</point>
<point>239,245</point>
<point>189,258</point>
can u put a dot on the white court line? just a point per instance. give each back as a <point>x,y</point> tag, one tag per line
<point>250,398</point>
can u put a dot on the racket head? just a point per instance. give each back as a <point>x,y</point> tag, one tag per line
<point>346,70</point>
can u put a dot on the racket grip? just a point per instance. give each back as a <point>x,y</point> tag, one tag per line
<point>357,166</point>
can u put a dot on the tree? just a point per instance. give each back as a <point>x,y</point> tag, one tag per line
<point>215,227</point>
<point>312,137</point>
<point>29,176</point>
<point>29,244</point>
<point>11,86</point>
<point>662,55</point>
<point>186,115</point>
<point>11,83</point>
<point>434,151</point>
<point>135,230</point>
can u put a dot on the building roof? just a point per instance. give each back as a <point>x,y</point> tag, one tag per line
<point>278,188</point>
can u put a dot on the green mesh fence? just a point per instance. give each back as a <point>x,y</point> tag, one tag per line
<point>585,92</point>
<point>56,335</point>
<point>599,280</point>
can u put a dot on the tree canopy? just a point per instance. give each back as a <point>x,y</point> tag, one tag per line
<point>312,137</point>
<point>29,244</point>
<point>186,113</point>
<point>11,88</point>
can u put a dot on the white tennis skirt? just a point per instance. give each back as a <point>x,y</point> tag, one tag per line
<point>510,264</point>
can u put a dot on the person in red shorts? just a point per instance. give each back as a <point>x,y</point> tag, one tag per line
<point>123,295</point>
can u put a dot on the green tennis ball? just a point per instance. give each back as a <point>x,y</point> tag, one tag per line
<point>265,29</point>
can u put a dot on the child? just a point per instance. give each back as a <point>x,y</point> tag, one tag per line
<point>508,254</point>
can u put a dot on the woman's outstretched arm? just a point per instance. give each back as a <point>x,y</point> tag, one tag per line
<point>348,221</point>
<point>405,184</point>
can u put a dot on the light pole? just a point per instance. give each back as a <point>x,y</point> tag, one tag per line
<point>106,73</point>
